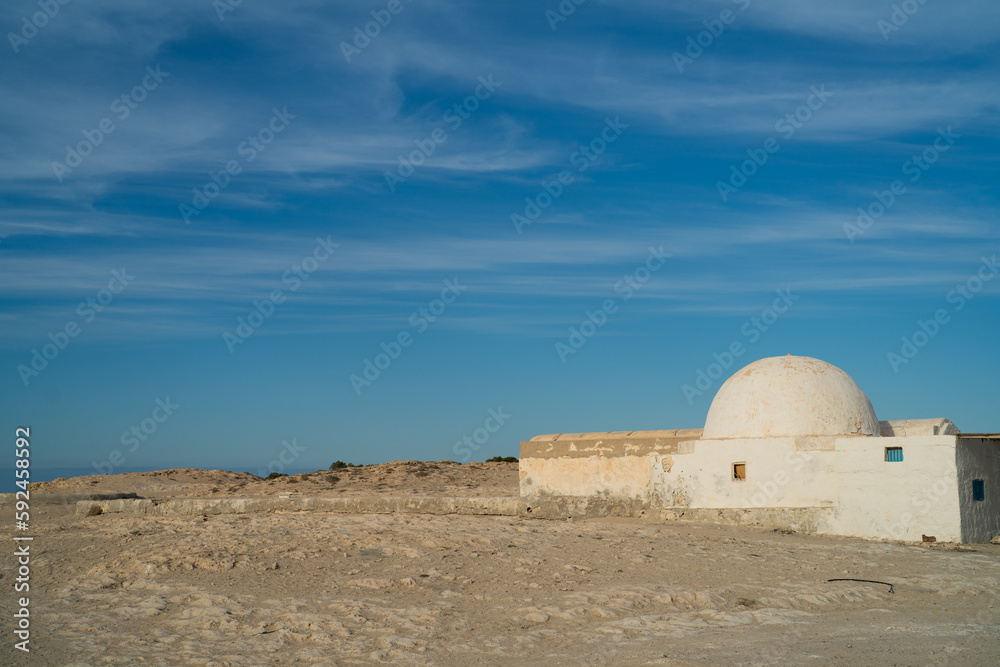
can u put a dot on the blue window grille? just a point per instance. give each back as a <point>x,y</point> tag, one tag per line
<point>978,490</point>
<point>894,454</point>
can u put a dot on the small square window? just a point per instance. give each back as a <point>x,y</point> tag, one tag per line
<point>978,490</point>
<point>739,471</point>
<point>894,454</point>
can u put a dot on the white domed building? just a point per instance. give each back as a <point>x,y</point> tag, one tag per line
<point>789,442</point>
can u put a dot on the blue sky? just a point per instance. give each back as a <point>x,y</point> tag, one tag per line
<point>562,224</point>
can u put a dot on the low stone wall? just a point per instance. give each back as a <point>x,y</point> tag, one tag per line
<point>555,507</point>
<point>61,498</point>
<point>508,506</point>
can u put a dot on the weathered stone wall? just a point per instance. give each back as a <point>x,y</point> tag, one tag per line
<point>507,506</point>
<point>607,443</point>
<point>553,507</point>
<point>61,498</point>
<point>605,464</point>
<point>979,458</point>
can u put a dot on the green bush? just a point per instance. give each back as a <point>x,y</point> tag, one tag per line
<point>502,459</point>
<point>337,465</point>
<point>276,475</point>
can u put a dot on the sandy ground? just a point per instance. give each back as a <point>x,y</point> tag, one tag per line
<point>324,589</point>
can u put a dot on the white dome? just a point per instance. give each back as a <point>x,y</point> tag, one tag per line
<point>789,397</point>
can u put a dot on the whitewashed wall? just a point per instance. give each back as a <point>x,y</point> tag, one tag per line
<point>847,479</point>
<point>898,501</point>
<point>777,475</point>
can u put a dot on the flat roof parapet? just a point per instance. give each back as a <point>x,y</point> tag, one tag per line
<point>608,443</point>
<point>904,427</point>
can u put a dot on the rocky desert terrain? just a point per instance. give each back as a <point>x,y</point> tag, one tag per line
<point>397,478</point>
<point>308,588</point>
